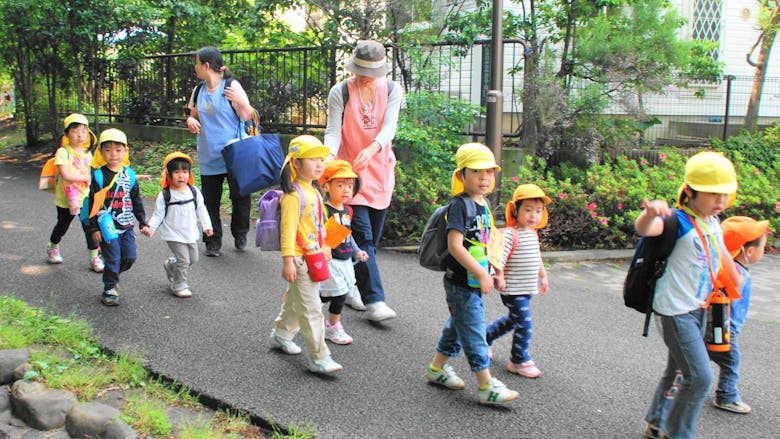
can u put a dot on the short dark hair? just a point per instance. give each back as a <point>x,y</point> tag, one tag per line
<point>178,164</point>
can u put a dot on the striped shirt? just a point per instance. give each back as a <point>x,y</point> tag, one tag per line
<point>521,270</point>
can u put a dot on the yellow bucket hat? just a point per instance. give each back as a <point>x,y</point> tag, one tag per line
<point>175,155</point>
<point>472,156</point>
<point>304,147</point>
<point>709,171</point>
<point>109,135</point>
<point>525,192</point>
<point>80,119</point>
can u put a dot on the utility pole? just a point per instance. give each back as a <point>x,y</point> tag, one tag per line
<point>495,102</point>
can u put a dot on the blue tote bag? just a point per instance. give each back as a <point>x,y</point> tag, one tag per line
<point>255,161</point>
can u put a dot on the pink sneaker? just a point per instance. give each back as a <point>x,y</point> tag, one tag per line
<point>527,369</point>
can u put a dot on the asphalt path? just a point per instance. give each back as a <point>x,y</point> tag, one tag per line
<point>599,372</point>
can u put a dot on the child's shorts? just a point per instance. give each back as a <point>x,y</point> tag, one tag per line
<point>342,278</point>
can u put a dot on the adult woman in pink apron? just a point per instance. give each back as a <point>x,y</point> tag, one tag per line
<point>360,131</point>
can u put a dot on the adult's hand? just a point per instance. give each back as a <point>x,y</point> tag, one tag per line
<point>193,125</point>
<point>365,155</point>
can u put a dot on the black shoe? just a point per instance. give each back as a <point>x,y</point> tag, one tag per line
<point>212,252</point>
<point>240,243</point>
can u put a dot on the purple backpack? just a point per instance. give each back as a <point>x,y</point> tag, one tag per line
<point>269,216</point>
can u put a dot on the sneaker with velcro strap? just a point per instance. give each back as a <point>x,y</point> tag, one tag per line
<point>445,377</point>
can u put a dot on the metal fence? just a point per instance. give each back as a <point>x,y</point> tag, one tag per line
<point>289,87</point>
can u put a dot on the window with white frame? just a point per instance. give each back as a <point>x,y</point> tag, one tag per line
<point>706,23</point>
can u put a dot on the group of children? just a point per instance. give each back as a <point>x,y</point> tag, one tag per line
<point>320,270</point>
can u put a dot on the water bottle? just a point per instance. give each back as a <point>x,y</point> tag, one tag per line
<point>717,335</point>
<point>479,253</point>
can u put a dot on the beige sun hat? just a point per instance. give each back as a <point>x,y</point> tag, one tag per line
<point>368,59</point>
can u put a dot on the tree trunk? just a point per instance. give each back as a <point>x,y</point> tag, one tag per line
<point>767,41</point>
<point>530,128</point>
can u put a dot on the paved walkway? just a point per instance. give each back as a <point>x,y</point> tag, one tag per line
<point>599,373</point>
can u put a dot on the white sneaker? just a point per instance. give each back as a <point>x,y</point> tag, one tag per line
<point>354,301</point>
<point>96,264</point>
<point>445,377</point>
<point>337,334</point>
<point>53,255</point>
<point>324,365</point>
<point>379,311</point>
<point>496,393</point>
<point>287,346</point>
<point>183,293</point>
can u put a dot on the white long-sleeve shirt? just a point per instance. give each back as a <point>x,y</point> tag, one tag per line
<point>180,222</point>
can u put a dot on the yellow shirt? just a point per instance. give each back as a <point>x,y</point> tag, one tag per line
<point>66,156</point>
<point>313,214</point>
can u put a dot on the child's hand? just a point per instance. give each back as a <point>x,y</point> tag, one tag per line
<point>485,281</point>
<point>326,250</point>
<point>208,232</point>
<point>146,230</point>
<point>499,282</point>
<point>656,208</point>
<point>145,177</point>
<point>97,236</point>
<point>362,256</point>
<point>544,285</point>
<point>289,272</point>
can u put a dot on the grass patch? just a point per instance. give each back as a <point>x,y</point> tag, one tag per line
<point>65,355</point>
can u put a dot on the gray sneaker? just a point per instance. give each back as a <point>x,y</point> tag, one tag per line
<point>287,346</point>
<point>734,407</point>
<point>445,377</point>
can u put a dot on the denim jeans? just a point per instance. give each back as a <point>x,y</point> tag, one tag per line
<point>675,407</point>
<point>465,327</point>
<point>367,224</point>
<point>118,256</point>
<point>729,372</point>
<point>519,321</point>
<point>211,187</point>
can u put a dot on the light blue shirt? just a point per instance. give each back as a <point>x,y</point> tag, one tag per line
<point>740,307</point>
<point>686,283</point>
<point>218,126</point>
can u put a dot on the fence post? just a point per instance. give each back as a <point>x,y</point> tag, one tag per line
<point>728,79</point>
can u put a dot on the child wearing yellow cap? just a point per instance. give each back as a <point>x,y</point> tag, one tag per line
<point>302,242</point>
<point>745,240</point>
<point>340,184</point>
<point>178,209</point>
<point>692,273</point>
<point>72,161</point>
<point>523,275</point>
<point>114,192</point>
<point>466,279</point>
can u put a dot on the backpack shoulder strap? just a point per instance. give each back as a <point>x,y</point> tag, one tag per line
<point>194,195</point>
<point>197,92</point>
<point>669,236</point>
<point>344,92</point>
<point>515,237</point>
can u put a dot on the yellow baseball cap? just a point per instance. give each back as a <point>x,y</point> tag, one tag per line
<point>739,230</point>
<point>175,155</point>
<point>109,135</point>
<point>709,171</point>
<point>472,156</point>
<point>74,118</point>
<point>304,147</point>
<point>80,119</point>
<point>525,192</point>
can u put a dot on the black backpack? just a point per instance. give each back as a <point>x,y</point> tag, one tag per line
<point>433,250</point>
<point>167,198</point>
<point>647,266</point>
